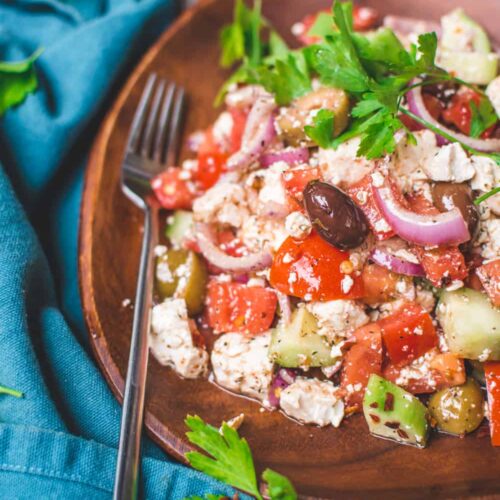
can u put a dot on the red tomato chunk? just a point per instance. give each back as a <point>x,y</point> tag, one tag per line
<point>489,274</point>
<point>233,307</point>
<point>408,333</point>
<point>172,191</point>
<point>361,360</point>
<point>311,269</point>
<point>492,374</point>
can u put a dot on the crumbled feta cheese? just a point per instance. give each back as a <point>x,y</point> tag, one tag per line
<point>346,284</point>
<point>258,233</point>
<point>408,161</point>
<point>126,302</point>
<point>485,355</point>
<point>341,166</point>
<point>490,229</point>
<point>493,93</point>
<point>425,298</point>
<point>460,34</point>
<point>450,164</point>
<point>163,272</point>
<point>313,402</point>
<point>222,129</point>
<point>171,341</point>
<point>272,198</point>
<point>224,203</point>
<point>241,364</point>
<point>338,318</point>
<point>298,225</point>
<point>160,250</point>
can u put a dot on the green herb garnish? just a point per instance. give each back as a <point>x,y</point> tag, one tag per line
<point>229,459</point>
<point>483,116</point>
<point>17,80</point>
<point>10,392</point>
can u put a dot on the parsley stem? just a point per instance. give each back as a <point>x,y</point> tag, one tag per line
<point>487,195</point>
<point>10,392</point>
<point>440,131</point>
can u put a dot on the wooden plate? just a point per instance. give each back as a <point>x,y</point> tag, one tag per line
<point>332,463</point>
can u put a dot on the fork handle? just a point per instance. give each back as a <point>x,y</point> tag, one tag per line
<point>128,466</point>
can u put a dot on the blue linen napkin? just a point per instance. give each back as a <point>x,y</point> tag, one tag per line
<point>60,440</point>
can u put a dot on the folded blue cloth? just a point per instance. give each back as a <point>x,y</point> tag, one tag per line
<point>59,441</point>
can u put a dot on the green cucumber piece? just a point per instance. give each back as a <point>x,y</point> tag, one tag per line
<point>395,414</point>
<point>180,222</point>
<point>472,67</point>
<point>457,25</point>
<point>471,324</point>
<point>298,343</point>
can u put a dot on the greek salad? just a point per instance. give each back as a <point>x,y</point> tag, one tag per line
<point>332,246</point>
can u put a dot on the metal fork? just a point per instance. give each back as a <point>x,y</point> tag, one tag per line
<point>153,142</point>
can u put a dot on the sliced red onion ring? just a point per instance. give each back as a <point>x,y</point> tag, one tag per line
<point>258,134</point>
<point>384,258</point>
<point>417,106</point>
<point>285,307</point>
<point>214,255</point>
<point>282,379</point>
<point>447,228</point>
<point>291,156</point>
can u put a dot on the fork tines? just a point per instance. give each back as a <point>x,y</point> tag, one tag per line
<point>157,120</point>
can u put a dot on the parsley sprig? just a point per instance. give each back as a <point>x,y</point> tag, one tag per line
<point>229,459</point>
<point>375,69</point>
<point>10,392</point>
<point>17,80</point>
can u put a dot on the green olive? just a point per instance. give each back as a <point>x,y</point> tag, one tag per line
<point>182,273</point>
<point>292,120</point>
<point>458,410</point>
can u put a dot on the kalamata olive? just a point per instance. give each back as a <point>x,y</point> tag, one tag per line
<point>458,410</point>
<point>447,195</point>
<point>338,220</point>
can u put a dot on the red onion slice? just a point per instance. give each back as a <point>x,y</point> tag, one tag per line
<point>282,379</point>
<point>259,133</point>
<point>417,106</point>
<point>386,259</point>
<point>291,156</point>
<point>285,307</point>
<point>215,256</point>
<point>447,228</point>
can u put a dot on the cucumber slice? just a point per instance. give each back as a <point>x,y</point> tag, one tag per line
<point>181,223</point>
<point>395,414</point>
<point>298,345</point>
<point>470,323</point>
<point>461,33</point>
<point>472,67</point>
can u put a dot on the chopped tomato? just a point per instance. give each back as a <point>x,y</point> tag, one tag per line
<point>379,284</point>
<point>211,162</point>
<point>362,195</point>
<point>230,244</point>
<point>442,265</point>
<point>311,269</point>
<point>233,307</point>
<point>459,112</point>
<point>295,181</point>
<point>306,24</point>
<point>360,361</point>
<point>424,376</point>
<point>433,105</point>
<point>408,333</point>
<point>239,121</point>
<point>489,274</point>
<point>492,375</point>
<point>364,18</point>
<point>172,191</point>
